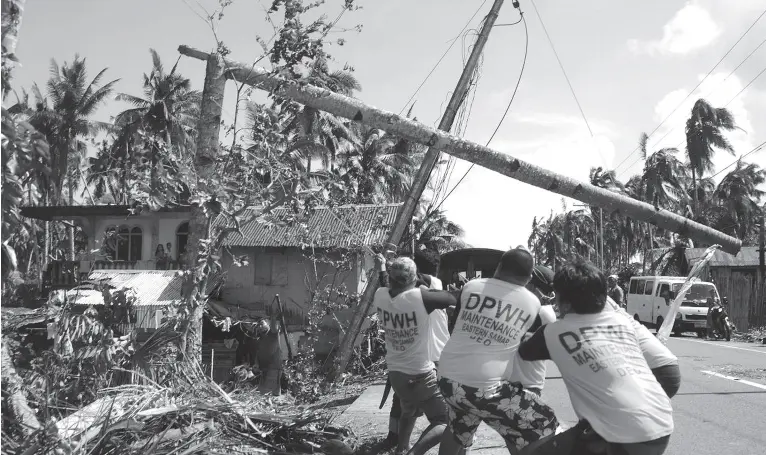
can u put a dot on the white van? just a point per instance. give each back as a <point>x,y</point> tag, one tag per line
<point>649,299</point>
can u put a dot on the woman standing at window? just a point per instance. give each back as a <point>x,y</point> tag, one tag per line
<point>160,257</point>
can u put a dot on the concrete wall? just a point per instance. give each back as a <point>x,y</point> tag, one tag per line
<point>283,271</point>
<point>158,228</point>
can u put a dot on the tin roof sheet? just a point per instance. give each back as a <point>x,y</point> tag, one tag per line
<point>337,227</point>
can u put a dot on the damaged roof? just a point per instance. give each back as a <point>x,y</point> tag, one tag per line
<point>747,257</point>
<point>337,227</point>
<point>153,287</point>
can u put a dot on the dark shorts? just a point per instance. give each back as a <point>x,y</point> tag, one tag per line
<point>655,447</point>
<point>419,392</point>
<point>518,415</point>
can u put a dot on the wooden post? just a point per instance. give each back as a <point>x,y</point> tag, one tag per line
<point>284,326</point>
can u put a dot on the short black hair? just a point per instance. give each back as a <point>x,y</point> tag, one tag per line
<point>582,285</point>
<point>542,279</point>
<point>517,263</point>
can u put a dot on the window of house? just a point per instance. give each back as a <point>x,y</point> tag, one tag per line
<point>182,238</point>
<point>124,243</point>
<point>270,269</point>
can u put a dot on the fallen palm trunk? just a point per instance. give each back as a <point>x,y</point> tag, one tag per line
<point>508,165</point>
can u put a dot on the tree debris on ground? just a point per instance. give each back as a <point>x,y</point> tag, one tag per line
<point>191,415</point>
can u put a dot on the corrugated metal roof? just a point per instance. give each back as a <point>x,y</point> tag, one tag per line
<point>153,287</point>
<point>747,257</point>
<point>337,227</point>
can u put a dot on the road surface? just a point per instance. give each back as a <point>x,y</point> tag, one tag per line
<point>719,410</point>
<point>721,406</point>
<point>716,413</point>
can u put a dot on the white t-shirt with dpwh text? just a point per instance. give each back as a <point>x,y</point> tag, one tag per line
<point>407,325</point>
<point>493,317</point>
<point>610,383</point>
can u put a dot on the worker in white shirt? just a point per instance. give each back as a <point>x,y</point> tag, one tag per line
<point>404,311</point>
<point>604,367</point>
<point>439,336</point>
<point>493,315</point>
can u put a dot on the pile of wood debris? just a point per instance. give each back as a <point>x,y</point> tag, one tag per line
<point>193,417</point>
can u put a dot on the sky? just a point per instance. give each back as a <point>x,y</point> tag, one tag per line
<point>632,66</point>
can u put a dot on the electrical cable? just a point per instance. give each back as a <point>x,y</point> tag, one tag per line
<point>696,87</point>
<point>719,85</point>
<point>757,148</point>
<point>507,108</point>
<point>442,57</point>
<point>725,106</point>
<point>561,65</point>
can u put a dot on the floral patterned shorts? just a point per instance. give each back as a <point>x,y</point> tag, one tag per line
<point>519,416</point>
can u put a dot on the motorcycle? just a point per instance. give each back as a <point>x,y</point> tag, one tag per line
<point>721,322</point>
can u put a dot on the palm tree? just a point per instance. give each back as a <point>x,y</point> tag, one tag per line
<point>433,232</point>
<point>318,133</point>
<point>607,180</point>
<point>382,166</point>
<point>73,102</point>
<point>66,122</point>
<point>705,133</point>
<point>168,112</point>
<point>663,177</point>
<point>738,192</point>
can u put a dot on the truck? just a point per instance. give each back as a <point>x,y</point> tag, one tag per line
<point>649,299</point>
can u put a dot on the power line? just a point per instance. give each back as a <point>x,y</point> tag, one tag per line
<point>561,65</point>
<point>696,87</point>
<point>442,57</point>
<point>719,85</point>
<point>757,148</point>
<point>507,108</point>
<point>725,106</point>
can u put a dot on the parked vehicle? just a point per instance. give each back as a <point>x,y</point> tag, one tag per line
<point>649,299</point>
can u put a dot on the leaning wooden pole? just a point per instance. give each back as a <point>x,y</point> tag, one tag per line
<point>419,182</point>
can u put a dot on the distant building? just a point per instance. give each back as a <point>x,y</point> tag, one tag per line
<point>736,277</point>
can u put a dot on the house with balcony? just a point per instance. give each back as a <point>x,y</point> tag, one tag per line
<point>327,256</point>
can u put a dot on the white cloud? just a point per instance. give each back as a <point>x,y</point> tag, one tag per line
<point>497,211</point>
<point>690,29</point>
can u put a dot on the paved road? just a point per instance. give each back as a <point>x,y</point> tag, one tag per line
<point>714,414</point>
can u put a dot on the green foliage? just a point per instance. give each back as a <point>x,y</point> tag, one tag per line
<point>25,157</point>
<point>733,206</point>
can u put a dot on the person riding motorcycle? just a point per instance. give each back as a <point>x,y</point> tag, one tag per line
<point>718,319</point>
